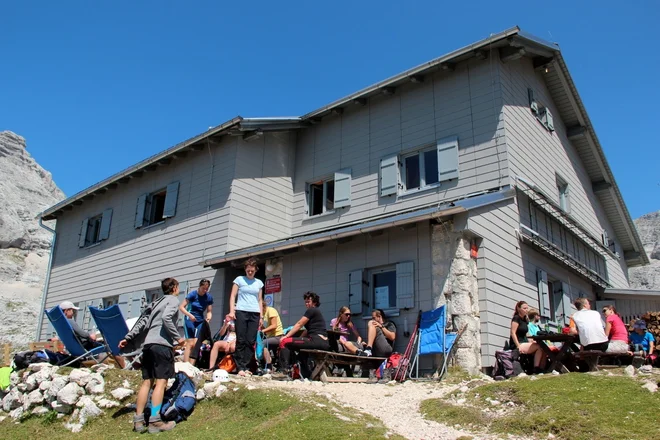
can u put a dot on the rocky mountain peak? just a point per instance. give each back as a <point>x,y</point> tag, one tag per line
<point>648,277</point>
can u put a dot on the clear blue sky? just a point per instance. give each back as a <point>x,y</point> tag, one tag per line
<point>95,87</point>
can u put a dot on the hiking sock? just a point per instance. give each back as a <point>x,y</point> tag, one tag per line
<point>155,410</point>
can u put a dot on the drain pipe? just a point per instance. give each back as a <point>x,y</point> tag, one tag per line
<point>47,280</point>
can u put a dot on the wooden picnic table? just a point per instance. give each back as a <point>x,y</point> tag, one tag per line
<point>323,360</point>
<point>560,360</point>
<point>333,338</point>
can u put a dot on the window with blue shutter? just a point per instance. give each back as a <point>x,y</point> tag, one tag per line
<point>567,301</point>
<point>544,295</point>
<point>448,159</point>
<point>83,233</point>
<point>389,176</point>
<point>156,207</point>
<point>356,291</point>
<point>342,188</point>
<point>140,211</point>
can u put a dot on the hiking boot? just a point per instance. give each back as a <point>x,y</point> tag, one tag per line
<point>156,425</point>
<point>139,425</point>
<point>372,377</point>
<point>365,352</point>
<point>387,376</point>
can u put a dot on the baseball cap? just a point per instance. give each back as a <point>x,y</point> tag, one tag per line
<point>68,305</point>
<point>640,324</point>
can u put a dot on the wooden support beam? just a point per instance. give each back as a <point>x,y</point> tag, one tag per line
<point>78,202</point>
<point>113,185</point>
<point>416,79</point>
<point>511,54</point>
<point>542,63</point>
<point>631,255</point>
<point>289,251</point>
<point>481,54</point>
<point>88,197</point>
<point>150,167</point>
<point>163,162</point>
<point>197,147</point>
<point>310,247</point>
<point>388,91</point>
<point>179,154</point>
<point>315,120</point>
<point>575,132</point>
<point>375,233</point>
<point>337,111</point>
<point>68,208</point>
<point>360,101</point>
<point>343,240</point>
<point>102,190</point>
<point>600,185</point>
<point>448,67</point>
<point>125,179</point>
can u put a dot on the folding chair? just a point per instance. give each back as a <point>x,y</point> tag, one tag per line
<point>433,339</point>
<point>68,337</point>
<point>112,326</point>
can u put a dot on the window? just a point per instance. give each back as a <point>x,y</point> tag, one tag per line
<point>542,114</point>
<point>110,301</point>
<point>95,229</point>
<point>321,197</point>
<point>157,206</point>
<point>421,169</point>
<point>383,285</point>
<point>93,235</point>
<point>562,191</point>
<point>154,294</point>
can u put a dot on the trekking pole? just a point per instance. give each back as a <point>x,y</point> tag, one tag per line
<point>406,355</point>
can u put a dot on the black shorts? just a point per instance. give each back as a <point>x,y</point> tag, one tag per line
<point>157,362</point>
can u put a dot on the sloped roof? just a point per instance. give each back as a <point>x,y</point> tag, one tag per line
<point>513,42</point>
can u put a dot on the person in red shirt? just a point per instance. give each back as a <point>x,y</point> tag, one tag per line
<point>616,331</point>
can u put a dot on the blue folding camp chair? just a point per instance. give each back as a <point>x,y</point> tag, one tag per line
<point>68,337</point>
<point>112,326</point>
<point>433,339</point>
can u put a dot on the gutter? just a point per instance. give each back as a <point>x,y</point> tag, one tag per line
<point>42,307</point>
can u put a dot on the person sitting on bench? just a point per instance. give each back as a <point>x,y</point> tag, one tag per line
<point>381,334</point>
<point>344,324</point>
<point>315,337</point>
<point>272,329</point>
<point>642,340</point>
<point>226,344</point>
<point>589,327</point>
<point>615,330</point>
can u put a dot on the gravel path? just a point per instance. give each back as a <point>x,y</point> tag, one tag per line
<point>397,406</point>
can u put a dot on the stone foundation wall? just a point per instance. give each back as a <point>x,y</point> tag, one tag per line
<point>455,284</point>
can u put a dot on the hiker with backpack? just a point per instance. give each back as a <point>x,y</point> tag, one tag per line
<point>160,333</point>
<point>518,339</point>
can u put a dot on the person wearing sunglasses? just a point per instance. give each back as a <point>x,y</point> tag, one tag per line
<point>343,323</point>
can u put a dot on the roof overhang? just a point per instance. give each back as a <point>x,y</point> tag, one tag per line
<point>309,241</point>
<point>629,293</point>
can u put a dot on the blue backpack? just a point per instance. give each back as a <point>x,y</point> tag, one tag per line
<point>179,400</point>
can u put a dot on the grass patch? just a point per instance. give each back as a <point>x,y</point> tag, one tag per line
<point>457,374</point>
<point>571,406</point>
<point>241,414</point>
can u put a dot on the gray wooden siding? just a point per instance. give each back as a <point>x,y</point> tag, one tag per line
<point>539,155</point>
<point>261,193</point>
<point>325,271</point>
<point>136,259</point>
<point>465,103</point>
<point>507,273</point>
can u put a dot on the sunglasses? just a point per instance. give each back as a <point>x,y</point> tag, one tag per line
<point>347,314</point>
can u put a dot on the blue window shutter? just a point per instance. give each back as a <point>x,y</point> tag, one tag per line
<point>105,224</point>
<point>83,233</point>
<point>137,302</point>
<point>567,301</point>
<point>80,314</point>
<point>544,296</point>
<point>389,176</point>
<point>355,291</point>
<point>606,240</point>
<point>140,211</point>
<point>124,301</point>
<point>343,188</point>
<point>183,291</point>
<point>448,159</point>
<point>405,285</point>
<point>171,198</point>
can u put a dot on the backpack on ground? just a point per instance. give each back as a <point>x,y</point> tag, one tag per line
<point>25,358</point>
<point>390,363</point>
<point>507,363</point>
<point>227,363</point>
<point>179,400</point>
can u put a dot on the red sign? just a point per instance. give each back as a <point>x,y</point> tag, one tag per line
<point>274,285</point>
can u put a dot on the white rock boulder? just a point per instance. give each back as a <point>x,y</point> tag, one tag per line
<point>80,376</point>
<point>107,403</point>
<point>12,400</point>
<point>191,371</point>
<point>70,394</point>
<point>34,398</point>
<point>95,384</point>
<point>17,413</point>
<point>121,393</point>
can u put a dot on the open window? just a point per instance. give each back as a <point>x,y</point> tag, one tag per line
<point>155,207</point>
<point>95,229</point>
<point>389,288</point>
<point>326,195</point>
<point>564,195</point>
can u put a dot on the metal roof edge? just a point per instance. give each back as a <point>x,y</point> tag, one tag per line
<point>142,164</point>
<point>441,210</point>
<point>599,150</point>
<point>418,69</point>
<point>628,292</point>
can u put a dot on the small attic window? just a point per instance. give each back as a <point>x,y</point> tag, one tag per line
<point>542,114</point>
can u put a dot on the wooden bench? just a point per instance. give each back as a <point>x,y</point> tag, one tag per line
<point>323,359</point>
<point>56,346</point>
<point>591,357</point>
<point>5,352</point>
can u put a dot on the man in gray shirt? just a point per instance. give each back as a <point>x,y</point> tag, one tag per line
<point>87,339</point>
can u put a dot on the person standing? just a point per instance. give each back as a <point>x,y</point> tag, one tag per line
<point>157,356</point>
<point>194,306</point>
<point>245,305</point>
<point>589,327</point>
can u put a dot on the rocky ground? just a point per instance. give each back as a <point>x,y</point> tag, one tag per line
<point>25,190</point>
